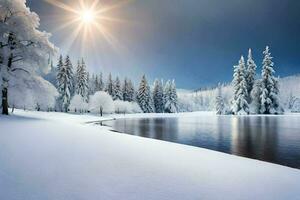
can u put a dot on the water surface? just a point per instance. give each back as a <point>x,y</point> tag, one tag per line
<point>273,139</point>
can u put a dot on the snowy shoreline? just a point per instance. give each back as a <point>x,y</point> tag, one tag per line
<point>58,156</point>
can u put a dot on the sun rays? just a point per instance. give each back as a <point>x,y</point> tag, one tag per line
<point>90,22</point>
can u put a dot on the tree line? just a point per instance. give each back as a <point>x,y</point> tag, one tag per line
<point>70,83</point>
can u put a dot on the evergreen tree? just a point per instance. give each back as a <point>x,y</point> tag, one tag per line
<point>220,101</point>
<point>109,85</point>
<point>269,100</point>
<point>255,96</point>
<point>101,83</point>
<point>65,80</point>
<point>125,90</point>
<point>59,68</point>
<point>130,91</point>
<point>92,86</point>
<point>158,96</point>
<point>239,103</point>
<point>82,81</point>
<point>117,90</point>
<point>144,96</point>
<point>96,83</point>
<point>170,97</point>
<point>250,75</point>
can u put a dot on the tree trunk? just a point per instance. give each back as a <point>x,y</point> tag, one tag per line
<point>4,101</point>
<point>5,89</point>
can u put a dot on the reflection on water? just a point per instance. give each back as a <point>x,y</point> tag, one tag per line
<point>270,138</point>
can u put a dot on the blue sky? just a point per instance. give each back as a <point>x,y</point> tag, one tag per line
<point>195,42</point>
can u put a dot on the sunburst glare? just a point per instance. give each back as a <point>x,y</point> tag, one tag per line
<point>91,21</point>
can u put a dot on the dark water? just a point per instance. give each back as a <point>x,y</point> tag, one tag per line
<point>273,139</point>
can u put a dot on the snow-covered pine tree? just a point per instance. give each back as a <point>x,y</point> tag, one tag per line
<point>240,105</point>
<point>250,75</point>
<point>269,98</point>
<point>58,69</point>
<point>97,89</point>
<point>117,90</point>
<point>170,97</point>
<point>158,96</point>
<point>92,84</point>
<point>109,86</point>
<point>82,81</point>
<point>220,106</point>
<point>125,90</point>
<point>130,91</point>
<point>174,96</point>
<point>65,80</point>
<point>255,96</point>
<point>101,83</point>
<point>144,96</point>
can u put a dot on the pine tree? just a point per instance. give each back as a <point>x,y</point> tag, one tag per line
<point>117,90</point>
<point>269,100</point>
<point>158,96</point>
<point>96,83</point>
<point>250,75</point>
<point>65,80</point>
<point>130,91</point>
<point>92,86</point>
<point>110,86</point>
<point>82,80</point>
<point>239,103</point>
<point>170,97</point>
<point>59,68</point>
<point>220,101</point>
<point>125,90</point>
<point>101,83</point>
<point>144,96</point>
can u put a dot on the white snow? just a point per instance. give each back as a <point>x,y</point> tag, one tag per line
<point>57,156</point>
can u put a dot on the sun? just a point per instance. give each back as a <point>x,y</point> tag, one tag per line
<point>91,22</point>
<point>87,16</point>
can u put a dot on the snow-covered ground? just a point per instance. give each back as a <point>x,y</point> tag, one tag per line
<point>59,157</point>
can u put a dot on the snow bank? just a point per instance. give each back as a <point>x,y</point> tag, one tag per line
<point>53,156</point>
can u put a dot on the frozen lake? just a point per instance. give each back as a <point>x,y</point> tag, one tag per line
<point>273,139</point>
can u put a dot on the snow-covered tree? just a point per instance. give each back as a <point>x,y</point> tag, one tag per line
<point>91,81</point>
<point>170,97</point>
<point>31,93</point>
<point>78,104</point>
<point>144,96</point>
<point>109,88</point>
<point>117,94</point>
<point>100,82</point>
<point>240,105</point>
<point>126,107</point>
<point>125,90</point>
<point>23,48</point>
<point>250,74</point>
<point>220,106</point>
<point>82,80</point>
<point>158,96</point>
<point>255,96</point>
<point>65,87</point>
<point>130,91</point>
<point>101,102</point>
<point>269,99</point>
<point>51,74</point>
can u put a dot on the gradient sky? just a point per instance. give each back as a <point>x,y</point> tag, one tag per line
<point>196,42</point>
